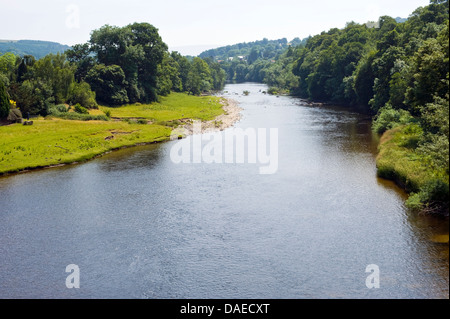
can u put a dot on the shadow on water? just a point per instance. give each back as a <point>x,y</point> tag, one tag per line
<point>138,157</point>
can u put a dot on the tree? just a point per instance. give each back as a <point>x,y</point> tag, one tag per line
<point>4,102</point>
<point>168,78</point>
<point>7,67</point>
<point>80,55</point>
<point>57,73</point>
<point>199,79</point>
<point>430,67</point>
<point>184,67</point>
<point>81,93</point>
<point>138,50</point>
<point>253,56</point>
<point>109,84</point>
<point>26,62</point>
<point>218,76</point>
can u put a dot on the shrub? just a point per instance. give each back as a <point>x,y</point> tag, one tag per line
<point>389,118</point>
<point>60,108</point>
<point>432,197</point>
<point>81,110</point>
<point>108,113</point>
<point>79,117</point>
<point>81,93</point>
<point>272,91</point>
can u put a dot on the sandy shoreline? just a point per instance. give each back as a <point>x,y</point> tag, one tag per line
<point>231,116</point>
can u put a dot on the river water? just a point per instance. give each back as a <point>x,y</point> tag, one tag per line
<point>139,225</point>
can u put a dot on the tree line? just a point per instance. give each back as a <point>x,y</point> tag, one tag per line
<point>119,65</point>
<point>397,72</point>
<point>251,62</point>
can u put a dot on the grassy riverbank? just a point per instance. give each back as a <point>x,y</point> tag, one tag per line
<point>52,141</point>
<point>399,160</point>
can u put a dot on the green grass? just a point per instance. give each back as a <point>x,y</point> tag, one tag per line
<point>54,141</point>
<point>176,106</point>
<point>399,161</point>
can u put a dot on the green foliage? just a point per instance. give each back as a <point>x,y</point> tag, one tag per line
<point>432,198</point>
<point>81,93</point>
<point>266,49</point>
<point>109,84</point>
<point>74,116</point>
<point>273,91</point>
<point>80,109</point>
<point>183,66</point>
<point>34,96</point>
<point>410,168</point>
<point>389,118</point>
<point>80,56</point>
<point>168,76</point>
<point>138,50</point>
<point>56,72</point>
<point>36,85</point>
<point>199,78</point>
<point>435,142</point>
<point>60,108</point>
<point>7,67</point>
<point>4,102</point>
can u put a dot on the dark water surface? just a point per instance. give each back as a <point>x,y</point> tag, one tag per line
<point>140,226</point>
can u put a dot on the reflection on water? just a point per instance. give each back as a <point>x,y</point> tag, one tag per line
<point>140,226</point>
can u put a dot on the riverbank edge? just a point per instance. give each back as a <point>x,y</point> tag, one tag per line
<point>411,175</point>
<point>231,114</point>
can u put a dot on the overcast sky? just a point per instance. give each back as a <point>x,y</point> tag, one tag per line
<point>199,23</point>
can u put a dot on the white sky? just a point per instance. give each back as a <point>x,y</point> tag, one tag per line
<point>184,24</point>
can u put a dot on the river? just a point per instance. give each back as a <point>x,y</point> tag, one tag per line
<point>138,225</point>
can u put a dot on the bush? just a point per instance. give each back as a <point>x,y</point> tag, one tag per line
<point>60,108</point>
<point>79,117</point>
<point>272,91</point>
<point>81,93</point>
<point>433,197</point>
<point>108,114</point>
<point>80,110</point>
<point>389,118</point>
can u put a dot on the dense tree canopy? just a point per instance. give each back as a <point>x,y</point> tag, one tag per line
<point>117,66</point>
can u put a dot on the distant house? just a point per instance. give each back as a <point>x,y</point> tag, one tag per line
<point>241,57</point>
<point>230,59</point>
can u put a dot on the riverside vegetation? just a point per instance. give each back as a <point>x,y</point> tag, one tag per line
<point>396,70</point>
<point>52,140</point>
<point>121,88</point>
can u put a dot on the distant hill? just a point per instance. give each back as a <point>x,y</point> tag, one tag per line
<point>36,48</point>
<point>266,49</point>
<point>401,20</point>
